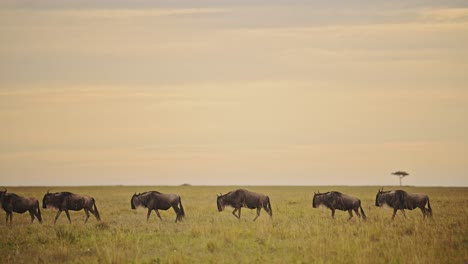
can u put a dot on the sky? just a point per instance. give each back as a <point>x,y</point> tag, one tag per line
<point>233,92</point>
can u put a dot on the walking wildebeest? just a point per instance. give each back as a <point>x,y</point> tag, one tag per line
<point>338,201</point>
<point>400,200</point>
<point>11,202</point>
<point>64,201</point>
<point>244,198</point>
<point>155,200</point>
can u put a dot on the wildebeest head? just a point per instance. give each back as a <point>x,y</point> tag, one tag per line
<point>134,200</point>
<point>379,199</point>
<point>220,202</point>
<point>140,199</point>
<point>46,199</point>
<point>318,199</point>
<point>54,200</point>
<point>314,204</point>
<point>2,195</point>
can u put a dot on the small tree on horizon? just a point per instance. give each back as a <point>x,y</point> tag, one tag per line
<point>400,174</point>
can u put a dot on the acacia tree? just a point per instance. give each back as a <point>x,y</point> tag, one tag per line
<point>400,174</point>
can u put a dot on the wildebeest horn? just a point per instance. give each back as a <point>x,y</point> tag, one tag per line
<point>5,189</point>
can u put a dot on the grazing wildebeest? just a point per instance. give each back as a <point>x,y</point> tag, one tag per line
<point>64,201</point>
<point>338,201</point>
<point>155,200</point>
<point>401,200</point>
<point>11,202</point>
<point>244,198</point>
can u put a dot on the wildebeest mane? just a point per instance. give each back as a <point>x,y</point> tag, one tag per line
<point>56,199</point>
<point>397,200</point>
<point>146,197</point>
<point>332,197</point>
<point>9,197</point>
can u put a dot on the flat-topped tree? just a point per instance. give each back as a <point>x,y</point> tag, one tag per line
<point>400,174</point>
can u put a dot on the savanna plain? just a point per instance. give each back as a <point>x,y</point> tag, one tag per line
<point>297,233</point>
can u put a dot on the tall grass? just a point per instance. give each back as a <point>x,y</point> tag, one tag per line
<point>296,233</point>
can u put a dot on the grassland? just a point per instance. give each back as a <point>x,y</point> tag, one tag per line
<point>296,234</point>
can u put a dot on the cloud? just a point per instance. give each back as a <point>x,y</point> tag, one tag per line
<point>117,13</point>
<point>444,15</point>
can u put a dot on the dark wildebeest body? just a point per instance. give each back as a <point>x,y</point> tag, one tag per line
<point>65,201</point>
<point>400,200</point>
<point>154,200</point>
<point>244,198</point>
<point>338,201</point>
<point>11,202</point>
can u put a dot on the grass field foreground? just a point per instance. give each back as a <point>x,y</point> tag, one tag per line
<point>296,234</point>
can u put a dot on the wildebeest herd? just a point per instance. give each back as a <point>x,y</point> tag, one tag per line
<point>153,200</point>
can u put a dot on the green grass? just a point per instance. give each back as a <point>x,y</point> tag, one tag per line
<point>296,234</point>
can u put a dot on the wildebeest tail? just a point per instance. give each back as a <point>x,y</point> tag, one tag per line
<point>362,211</point>
<point>39,217</point>
<point>182,212</point>
<point>429,207</point>
<point>269,206</point>
<point>96,210</point>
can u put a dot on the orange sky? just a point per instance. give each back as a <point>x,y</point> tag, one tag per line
<point>246,93</point>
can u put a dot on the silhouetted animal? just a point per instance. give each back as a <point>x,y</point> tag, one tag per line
<point>64,201</point>
<point>244,198</point>
<point>11,202</point>
<point>400,200</point>
<point>338,201</point>
<point>154,200</point>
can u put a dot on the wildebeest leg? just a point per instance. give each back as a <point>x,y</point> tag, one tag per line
<point>148,214</point>
<point>87,215</point>
<point>333,213</point>
<point>8,215</point>
<point>258,214</point>
<point>234,213</point>
<point>94,213</point>
<point>394,213</point>
<point>11,218</point>
<point>177,211</point>
<point>357,212</point>
<point>403,212</point>
<point>157,213</point>
<point>68,216</point>
<point>32,216</point>
<point>57,216</point>
<point>423,210</point>
<point>36,213</point>
<point>350,211</point>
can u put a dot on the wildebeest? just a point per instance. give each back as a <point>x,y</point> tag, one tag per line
<point>64,201</point>
<point>400,200</point>
<point>154,200</point>
<point>338,201</point>
<point>244,198</point>
<point>11,202</point>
